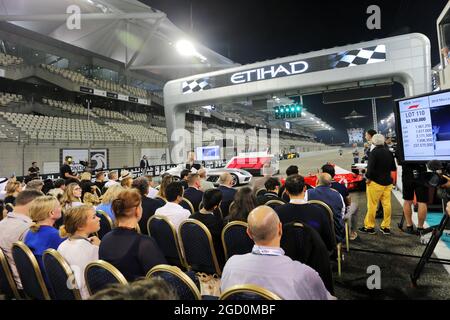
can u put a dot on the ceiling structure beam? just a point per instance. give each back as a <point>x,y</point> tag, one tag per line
<point>151,32</point>
<point>83,16</point>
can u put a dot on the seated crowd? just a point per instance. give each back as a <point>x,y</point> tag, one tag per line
<point>270,214</point>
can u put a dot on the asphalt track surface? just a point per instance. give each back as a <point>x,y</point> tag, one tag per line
<point>390,253</point>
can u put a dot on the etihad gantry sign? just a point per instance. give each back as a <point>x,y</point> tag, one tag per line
<point>404,59</point>
<point>349,58</point>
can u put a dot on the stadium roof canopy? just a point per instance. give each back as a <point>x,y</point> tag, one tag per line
<point>128,31</point>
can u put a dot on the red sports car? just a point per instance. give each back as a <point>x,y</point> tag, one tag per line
<point>352,181</point>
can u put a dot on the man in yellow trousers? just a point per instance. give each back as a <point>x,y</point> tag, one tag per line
<point>379,185</point>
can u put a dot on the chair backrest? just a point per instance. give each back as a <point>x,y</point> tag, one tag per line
<point>186,204</point>
<point>303,243</point>
<point>184,286</point>
<point>60,276</point>
<point>165,235</point>
<point>161,200</point>
<point>260,192</point>
<point>235,239</point>
<point>248,292</point>
<point>274,203</point>
<point>7,284</point>
<point>197,247</point>
<point>290,243</point>
<point>230,206</point>
<point>9,207</point>
<point>29,272</point>
<point>106,224</point>
<point>99,274</point>
<point>328,211</point>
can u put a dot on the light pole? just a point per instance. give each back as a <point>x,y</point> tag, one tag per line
<point>89,101</point>
<point>374,115</point>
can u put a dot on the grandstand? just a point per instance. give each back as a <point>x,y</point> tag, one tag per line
<point>7,98</point>
<point>53,128</point>
<point>49,82</point>
<point>120,88</point>
<point>136,116</point>
<point>109,114</point>
<point>73,108</point>
<point>7,60</point>
<point>138,133</point>
<point>73,76</point>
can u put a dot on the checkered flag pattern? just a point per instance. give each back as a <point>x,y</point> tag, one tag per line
<point>359,57</point>
<point>195,86</point>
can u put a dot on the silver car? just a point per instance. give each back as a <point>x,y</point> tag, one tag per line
<point>239,176</point>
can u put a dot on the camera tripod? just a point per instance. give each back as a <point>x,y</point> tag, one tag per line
<point>437,232</point>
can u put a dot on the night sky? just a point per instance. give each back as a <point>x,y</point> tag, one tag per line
<point>247,31</point>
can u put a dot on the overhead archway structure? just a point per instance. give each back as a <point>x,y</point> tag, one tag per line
<point>404,59</point>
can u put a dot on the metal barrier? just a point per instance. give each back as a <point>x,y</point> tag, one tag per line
<point>153,171</point>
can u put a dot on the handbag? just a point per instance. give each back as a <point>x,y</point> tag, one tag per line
<point>209,284</point>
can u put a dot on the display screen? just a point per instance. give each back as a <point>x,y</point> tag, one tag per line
<point>208,153</point>
<point>424,127</point>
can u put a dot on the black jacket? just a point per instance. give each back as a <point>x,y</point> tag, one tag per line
<point>308,248</point>
<point>132,253</point>
<point>311,215</point>
<point>381,163</point>
<point>184,184</point>
<point>267,196</point>
<point>194,196</point>
<point>227,198</point>
<point>144,164</point>
<point>149,207</point>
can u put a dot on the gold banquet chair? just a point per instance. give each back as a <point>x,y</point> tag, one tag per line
<point>327,208</point>
<point>248,292</point>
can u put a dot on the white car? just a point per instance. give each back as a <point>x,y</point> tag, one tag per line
<point>239,176</point>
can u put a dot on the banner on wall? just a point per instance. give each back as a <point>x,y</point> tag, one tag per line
<point>50,167</point>
<point>155,156</point>
<point>98,158</point>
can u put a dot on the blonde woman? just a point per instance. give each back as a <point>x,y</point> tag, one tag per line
<point>44,211</point>
<point>80,249</point>
<point>72,196</point>
<point>13,188</point>
<point>161,195</point>
<point>107,199</point>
